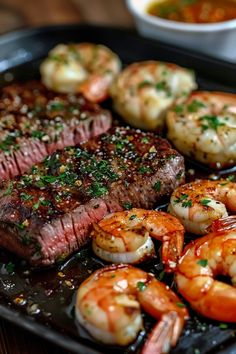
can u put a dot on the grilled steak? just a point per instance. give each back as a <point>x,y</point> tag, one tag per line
<point>35,122</point>
<point>47,214</point>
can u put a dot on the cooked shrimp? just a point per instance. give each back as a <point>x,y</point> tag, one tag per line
<point>126,237</point>
<point>87,68</point>
<point>204,128</point>
<point>198,204</point>
<point>108,306</point>
<point>227,223</point>
<point>202,261</point>
<point>144,91</point>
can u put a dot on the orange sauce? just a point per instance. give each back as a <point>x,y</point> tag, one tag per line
<point>194,11</point>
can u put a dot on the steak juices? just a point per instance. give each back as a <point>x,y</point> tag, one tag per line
<point>47,214</point>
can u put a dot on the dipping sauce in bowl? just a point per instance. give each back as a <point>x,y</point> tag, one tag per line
<point>194,11</point>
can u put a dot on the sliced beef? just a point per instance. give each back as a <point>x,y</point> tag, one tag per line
<point>47,214</point>
<point>35,122</point>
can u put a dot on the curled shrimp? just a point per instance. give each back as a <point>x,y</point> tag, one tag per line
<point>144,91</point>
<point>203,260</point>
<point>205,128</point>
<point>198,204</point>
<point>108,306</point>
<point>126,237</point>
<point>86,68</point>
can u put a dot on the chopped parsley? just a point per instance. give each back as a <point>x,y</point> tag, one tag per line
<point>144,169</point>
<point>187,204</point>
<point>97,189</point>
<point>180,304</point>
<point>223,326</point>
<point>202,262</point>
<point>231,178</point>
<point>10,267</point>
<point>195,105</point>
<point>9,189</point>
<point>210,122</point>
<point>25,197</point>
<point>141,286</point>
<point>145,140</point>
<point>157,186</point>
<point>132,217</point>
<point>205,202</point>
<point>127,205</point>
<point>56,106</point>
<point>181,198</point>
<point>37,134</point>
<point>145,83</point>
<point>179,108</point>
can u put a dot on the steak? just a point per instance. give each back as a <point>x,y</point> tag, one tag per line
<point>35,122</point>
<point>47,214</point>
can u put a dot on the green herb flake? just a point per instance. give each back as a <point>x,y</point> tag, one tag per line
<point>178,109</point>
<point>231,178</point>
<point>132,217</point>
<point>127,205</point>
<point>205,202</point>
<point>9,189</point>
<point>181,198</point>
<point>144,169</point>
<point>210,122</point>
<point>97,189</point>
<point>195,105</point>
<point>10,267</point>
<point>223,326</point>
<point>157,186</point>
<point>141,286</point>
<point>145,140</point>
<point>180,304</point>
<point>187,204</point>
<point>56,106</point>
<point>37,134</point>
<point>161,275</point>
<point>202,262</point>
<point>145,83</point>
<point>26,197</point>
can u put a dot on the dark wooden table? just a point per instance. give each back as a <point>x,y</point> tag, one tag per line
<point>16,14</point>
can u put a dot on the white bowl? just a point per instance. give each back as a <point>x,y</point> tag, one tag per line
<point>216,39</point>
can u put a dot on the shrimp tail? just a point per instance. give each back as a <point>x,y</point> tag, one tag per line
<point>171,251</point>
<point>228,223</point>
<point>163,336</point>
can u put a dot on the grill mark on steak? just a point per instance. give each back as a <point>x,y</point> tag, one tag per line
<point>35,122</point>
<point>50,211</point>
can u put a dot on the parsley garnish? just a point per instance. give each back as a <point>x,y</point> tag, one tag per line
<point>157,186</point>
<point>211,122</point>
<point>223,326</point>
<point>179,108</point>
<point>195,105</point>
<point>10,267</point>
<point>9,189</point>
<point>127,205</point>
<point>56,106</point>
<point>132,217</point>
<point>25,197</point>
<point>145,140</point>
<point>205,201</point>
<point>231,178</point>
<point>187,204</point>
<point>144,169</point>
<point>37,134</point>
<point>97,189</point>
<point>180,304</point>
<point>145,83</point>
<point>202,262</point>
<point>141,286</point>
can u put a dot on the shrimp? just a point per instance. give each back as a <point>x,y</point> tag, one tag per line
<point>198,204</point>
<point>143,92</point>
<point>126,237</point>
<point>108,306</point>
<point>86,68</point>
<point>204,128</point>
<point>204,259</point>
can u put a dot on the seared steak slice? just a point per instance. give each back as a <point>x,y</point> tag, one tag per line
<point>47,214</point>
<point>35,122</point>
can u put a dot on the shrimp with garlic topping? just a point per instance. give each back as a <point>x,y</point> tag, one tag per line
<point>85,67</point>
<point>203,260</point>
<point>126,236</point>
<point>204,128</point>
<point>198,204</point>
<point>109,306</point>
<point>144,91</point>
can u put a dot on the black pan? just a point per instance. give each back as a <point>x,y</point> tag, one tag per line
<point>49,307</point>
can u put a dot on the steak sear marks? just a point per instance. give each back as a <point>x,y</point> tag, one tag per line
<point>47,214</point>
<point>35,122</point>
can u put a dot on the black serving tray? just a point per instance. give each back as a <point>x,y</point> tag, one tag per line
<point>42,301</point>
